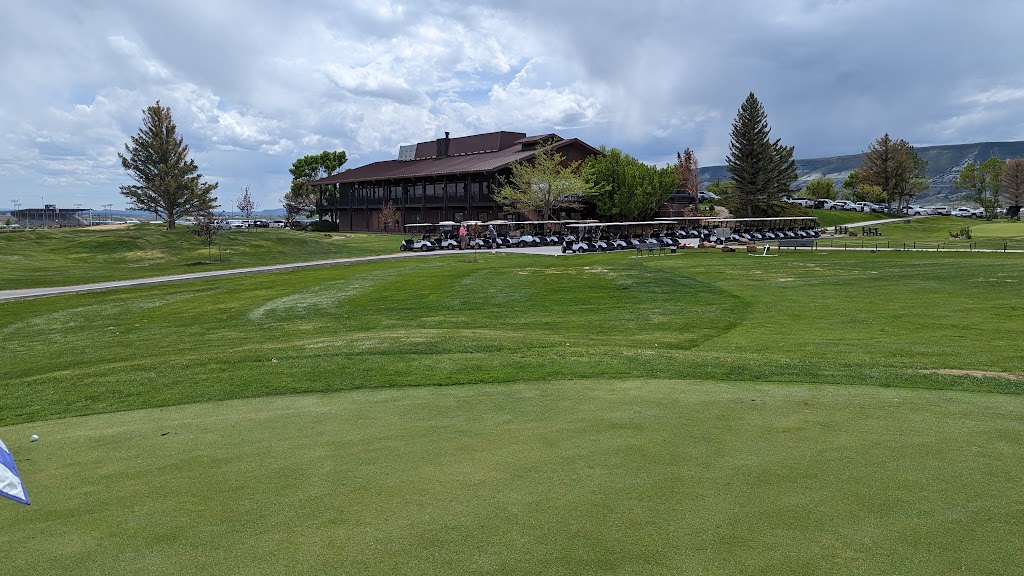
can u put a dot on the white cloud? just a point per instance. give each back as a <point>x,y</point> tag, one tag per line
<point>255,85</point>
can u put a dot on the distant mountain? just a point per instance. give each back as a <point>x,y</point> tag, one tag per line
<point>944,164</point>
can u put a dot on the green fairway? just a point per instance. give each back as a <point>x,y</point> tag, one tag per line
<point>808,413</point>
<point>623,477</point>
<point>68,256</point>
<point>932,232</point>
<point>824,317</point>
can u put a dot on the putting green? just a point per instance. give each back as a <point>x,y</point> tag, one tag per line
<point>627,477</point>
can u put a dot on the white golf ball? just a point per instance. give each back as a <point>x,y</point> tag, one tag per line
<point>35,437</point>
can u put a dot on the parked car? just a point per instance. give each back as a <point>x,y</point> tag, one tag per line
<point>980,213</point>
<point>879,207</point>
<point>915,210</point>
<point>707,196</point>
<point>805,202</point>
<point>843,205</point>
<point>864,206</point>
<point>823,204</point>
<point>963,212</point>
<point>941,210</point>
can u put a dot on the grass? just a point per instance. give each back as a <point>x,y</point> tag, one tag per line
<point>68,256</point>
<point>836,318</point>
<point>627,476</point>
<point>829,218</point>
<point>697,413</point>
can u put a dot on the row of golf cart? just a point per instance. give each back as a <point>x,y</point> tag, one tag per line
<point>579,236</point>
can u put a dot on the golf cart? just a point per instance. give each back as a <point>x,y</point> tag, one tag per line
<point>423,243</point>
<point>581,238</point>
<point>448,237</point>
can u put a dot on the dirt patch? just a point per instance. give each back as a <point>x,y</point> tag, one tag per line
<point>977,373</point>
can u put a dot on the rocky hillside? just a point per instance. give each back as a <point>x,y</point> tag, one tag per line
<point>944,164</point>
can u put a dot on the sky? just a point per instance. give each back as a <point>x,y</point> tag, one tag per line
<point>255,84</point>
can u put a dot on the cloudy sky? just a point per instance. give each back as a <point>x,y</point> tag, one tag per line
<point>255,84</point>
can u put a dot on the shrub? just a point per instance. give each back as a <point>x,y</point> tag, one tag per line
<point>323,226</point>
<point>963,233</point>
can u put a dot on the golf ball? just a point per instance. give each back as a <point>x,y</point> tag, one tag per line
<point>35,437</point>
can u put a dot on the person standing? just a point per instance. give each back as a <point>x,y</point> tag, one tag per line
<point>493,235</point>
<point>463,237</point>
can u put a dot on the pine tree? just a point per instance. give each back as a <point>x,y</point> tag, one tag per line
<point>762,171</point>
<point>168,182</point>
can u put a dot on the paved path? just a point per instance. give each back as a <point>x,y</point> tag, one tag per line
<point>53,291</point>
<point>7,295</point>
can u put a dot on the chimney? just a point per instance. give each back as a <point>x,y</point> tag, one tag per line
<point>442,146</point>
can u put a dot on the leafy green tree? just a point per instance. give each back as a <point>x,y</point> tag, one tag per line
<point>821,188</point>
<point>302,197</point>
<point>869,193</point>
<point>762,170</point>
<point>850,184</point>
<point>721,188</point>
<point>982,183</point>
<point>895,167</point>
<point>167,181</point>
<point>543,184</point>
<point>625,188</point>
<point>1012,186</point>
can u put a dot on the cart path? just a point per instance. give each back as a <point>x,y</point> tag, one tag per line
<point>7,295</point>
<point>25,293</point>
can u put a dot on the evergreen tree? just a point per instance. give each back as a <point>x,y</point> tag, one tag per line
<point>168,183</point>
<point>762,171</point>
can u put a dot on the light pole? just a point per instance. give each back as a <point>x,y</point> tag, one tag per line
<point>42,202</point>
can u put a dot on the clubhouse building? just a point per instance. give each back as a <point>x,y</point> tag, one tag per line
<point>444,179</point>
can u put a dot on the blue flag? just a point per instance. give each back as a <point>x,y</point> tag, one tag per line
<point>10,482</point>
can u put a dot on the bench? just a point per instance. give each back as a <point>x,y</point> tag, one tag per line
<point>869,231</point>
<point>842,229</point>
<point>650,247</point>
<point>796,243</point>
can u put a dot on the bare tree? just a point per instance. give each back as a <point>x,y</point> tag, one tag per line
<point>687,170</point>
<point>246,205</point>
<point>389,216</point>
<point>1013,182</point>
<point>207,228</point>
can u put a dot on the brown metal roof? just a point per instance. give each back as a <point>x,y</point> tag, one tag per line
<point>482,162</point>
<point>538,138</point>
<point>475,144</point>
